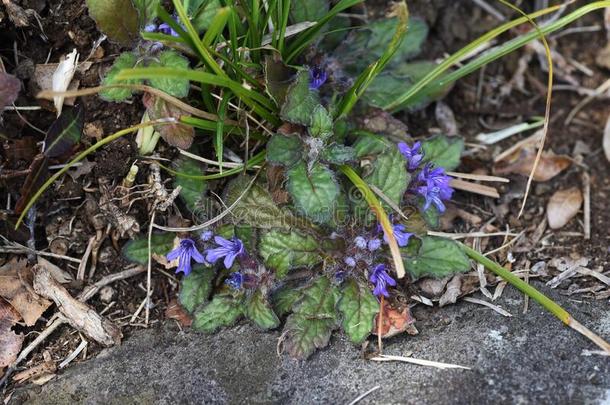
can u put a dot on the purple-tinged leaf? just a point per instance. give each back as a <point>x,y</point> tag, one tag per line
<point>9,89</point>
<point>65,132</point>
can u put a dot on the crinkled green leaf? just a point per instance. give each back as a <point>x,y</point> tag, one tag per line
<point>65,132</point>
<point>314,318</point>
<point>437,257</point>
<point>193,190</point>
<point>284,150</point>
<point>321,123</point>
<point>203,14</point>
<point>172,86</point>
<point>256,208</point>
<point>443,151</point>
<point>136,250</point>
<point>431,216</point>
<point>390,175</point>
<point>300,101</point>
<point>395,80</point>
<point>309,10</point>
<point>118,19</point>
<point>314,192</point>
<point>366,45</point>
<point>126,60</point>
<point>278,77</point>
<point>367,145</point>
<point>196,287</point>
<point>258,310</point>
<point>358,306</point>
<point>338,154</point>
<point>284,251</point>
<point>223,310</point>
<point>284,299</point>
<point>147,10</point>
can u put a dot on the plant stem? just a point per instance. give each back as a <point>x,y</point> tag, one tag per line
<point>537,296</point>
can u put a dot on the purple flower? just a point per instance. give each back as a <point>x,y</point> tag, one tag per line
<point>229,249</point>
<point>434,187</point>
<point>167,29</point>
<point>184,253</point>
<point>401,235</point>
<point>235,280</point>
<point>360,242</point>
<point>374,244</point>
<point>413,155</point>
<point>381,279</point>
<point>150,27</point>
<point>350,261</point>
<point>317,77</point>
<point>207,235</point>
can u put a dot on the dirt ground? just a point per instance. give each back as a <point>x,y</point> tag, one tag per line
<point>60,26</point>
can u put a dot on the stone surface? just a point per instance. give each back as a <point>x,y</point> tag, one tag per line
<point>528,358</point>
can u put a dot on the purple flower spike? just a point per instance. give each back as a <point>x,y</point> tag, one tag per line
<point>184,253</point>
<point>413,155</point>
<point>350,261</point>
<point>150,28</point>
<point>229,249</point>
<point>207,235</point>
<point>235,281</point>
<point>317,77</point>
<point>374,244</point>
<point>381,279</point>
<point>166,29</point>
<point>360,242</point>
<point>401,235</point>
<point>434,187</point>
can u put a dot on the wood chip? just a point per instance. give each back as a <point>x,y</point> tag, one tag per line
<point>78,314</point>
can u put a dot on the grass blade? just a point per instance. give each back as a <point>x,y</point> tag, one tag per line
<point>222,111</point>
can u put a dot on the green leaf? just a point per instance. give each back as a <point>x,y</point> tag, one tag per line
<point>278,77</point>
<point>367,45</point>
<point>284,150</point>
<point>223,310</point>
<point>338,154</point>
<point>203,16</point>
<point>125,60</point>
<point>443,151</point>
<point>359,307</point>
<point>437,257</point>
<point>321,123</point>
<point>284,251</point>
<point>147,10</point>
<point>314,318</point>
<point>390,175</point>
<point>192,189</point>
<point>172,86</point>
<point>196,287</point>
<point>259,311</point>
<point>314,192</point>
<point>370,144</point>
<point>118,19</point>
<point>284,299</point>
<point>65,132</point>
<point>136,250</point>
<point>310,10</point>
<point>431,216</point>
<point>391,83</point>
<point>256,208</point>
<point>300,101</point>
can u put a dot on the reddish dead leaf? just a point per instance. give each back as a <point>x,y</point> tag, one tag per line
<point>394,321</point>
<point>16,288</point>
<point>522,162</point>
<point>10,342</point>
<point>175,311</point>
<point>563,206</point>
<point>9,89</point>
<point>178,135</point>
<point>38,173</point>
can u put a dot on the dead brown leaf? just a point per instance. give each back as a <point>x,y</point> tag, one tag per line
<point>176,311</point>
<point>522,161</point>
<point>10,342</point>
<point>453,291</point>
<point>16,289</point>
<point>394,321</point>
<point>606,141</point>
<point>563,206</point>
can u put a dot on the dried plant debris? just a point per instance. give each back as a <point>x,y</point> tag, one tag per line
<point>563,206</point>
<point>9,89</point>
<point>10,342</point>
<point>522,162</point>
